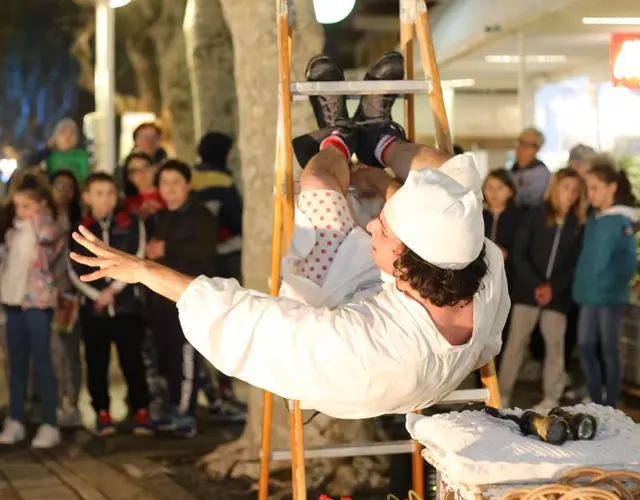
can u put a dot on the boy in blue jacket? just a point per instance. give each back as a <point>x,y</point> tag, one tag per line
<point>606,267</point>
<point>110,310</point>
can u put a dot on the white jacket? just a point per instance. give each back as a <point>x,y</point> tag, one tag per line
<point>358,359</point>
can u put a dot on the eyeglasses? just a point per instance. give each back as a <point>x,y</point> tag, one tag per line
<point>528,144</point>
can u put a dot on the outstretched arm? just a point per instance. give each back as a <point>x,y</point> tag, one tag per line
<point>126,268</point>
<point>281,345</point>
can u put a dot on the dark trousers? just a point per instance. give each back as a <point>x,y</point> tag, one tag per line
<point>178,361</point>
<point>127,331</point>
<point>29,334</point>
<point>599,331</point>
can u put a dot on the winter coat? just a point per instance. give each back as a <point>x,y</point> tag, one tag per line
<point>608,259</point>
<point>42,292</point>
<point>545,254</point>
<point>531,182</point>
<point>190,239</point>
<point>123,231</point>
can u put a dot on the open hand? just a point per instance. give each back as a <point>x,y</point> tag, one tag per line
<point>155,249</point>
<point>105,299</point>
<point>149,207</point>
<point>112,263</point>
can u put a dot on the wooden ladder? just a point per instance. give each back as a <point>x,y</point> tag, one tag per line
<point>412,13</point>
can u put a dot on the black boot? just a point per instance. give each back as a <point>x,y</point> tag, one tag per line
<point>373,116</point>
<point>331,108</point>
<point>330,111</point>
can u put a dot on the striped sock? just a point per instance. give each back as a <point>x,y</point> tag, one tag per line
<point>383,145</point>
<point>336,141</point>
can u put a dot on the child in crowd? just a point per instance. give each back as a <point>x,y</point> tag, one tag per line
<point>110,311</point>
<point>185,239</point>
<point>63,152</point>
<point>28,294</point>
<point>66,332</point>
<point>141,194</point>
<point>500,213</point>
<point>607,264</point>
<point>545,254</point>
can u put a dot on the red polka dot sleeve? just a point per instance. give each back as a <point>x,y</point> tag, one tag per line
<point>329,213</point>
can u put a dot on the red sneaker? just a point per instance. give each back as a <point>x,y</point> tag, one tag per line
<point>143,423</point>
<point>104,424</point>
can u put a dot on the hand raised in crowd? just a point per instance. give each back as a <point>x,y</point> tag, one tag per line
<point>105,299</point>
<point>149,207</point>
<point>543,294</point>
<point>155,249</point>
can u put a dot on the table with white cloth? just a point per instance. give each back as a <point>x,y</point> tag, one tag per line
<point>481,457</point>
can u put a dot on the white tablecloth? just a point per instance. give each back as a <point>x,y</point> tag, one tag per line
<point>472,448</point>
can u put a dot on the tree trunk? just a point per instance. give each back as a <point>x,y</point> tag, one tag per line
<point>210,62</point>
<point>252,26</point>
<point>175,88</point>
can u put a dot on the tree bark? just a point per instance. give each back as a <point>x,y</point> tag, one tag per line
<point>210,61</point>
<point>253,27</point>
<point>175,88</point>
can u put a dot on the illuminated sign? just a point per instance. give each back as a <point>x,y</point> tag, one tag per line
<point>624,60</point>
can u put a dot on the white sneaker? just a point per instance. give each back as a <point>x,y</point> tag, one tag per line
<point>545,406</point>
<point>13,432</point>
<point>69,418</point>
<point>46,437</point>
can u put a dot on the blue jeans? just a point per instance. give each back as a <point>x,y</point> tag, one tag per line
<point>599,328</point>
<point>29,334</point>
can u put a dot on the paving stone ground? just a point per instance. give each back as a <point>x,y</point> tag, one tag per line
<point>125,467</point>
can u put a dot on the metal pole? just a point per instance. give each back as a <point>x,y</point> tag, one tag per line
<point>522,82</point>
<point>105,136</point>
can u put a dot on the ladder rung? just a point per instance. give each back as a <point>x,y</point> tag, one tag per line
<point>466,396</point>
<point>301,90</point>
<point>349,450</point>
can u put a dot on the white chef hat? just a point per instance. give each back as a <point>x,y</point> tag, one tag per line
<point>437,218</point>
<point>462,169</point>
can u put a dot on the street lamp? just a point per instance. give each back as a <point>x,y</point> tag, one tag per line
<point>332,11</point>
<point>104,82</point>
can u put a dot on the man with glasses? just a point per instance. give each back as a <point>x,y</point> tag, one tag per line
<point>530,174</point>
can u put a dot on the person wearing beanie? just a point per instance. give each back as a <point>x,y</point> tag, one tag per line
<point>213,185</point>
<point>62,152</point>
<point>395,344</point>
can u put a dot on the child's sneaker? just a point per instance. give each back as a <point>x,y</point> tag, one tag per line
<point>143,423</point>
<point>47,437</point>
<point>225,411</point>
<point>104,424</point>
<point>165,423</point>
<point>13,432</point>
<point>186,426</point>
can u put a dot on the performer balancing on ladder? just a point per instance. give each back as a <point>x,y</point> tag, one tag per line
<point>397,340</point>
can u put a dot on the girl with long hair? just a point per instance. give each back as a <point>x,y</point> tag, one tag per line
<point>545,254</point>
<point>606,267</point>
<point>28,293</point>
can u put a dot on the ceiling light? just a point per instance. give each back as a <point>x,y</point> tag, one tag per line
<point>114,4</point>
<point>459,83</point>
<point>509,59</point>
<point>612,21</point>
<point>332,11</point>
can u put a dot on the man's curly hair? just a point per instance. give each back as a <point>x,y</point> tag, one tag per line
<point>441,287</point>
